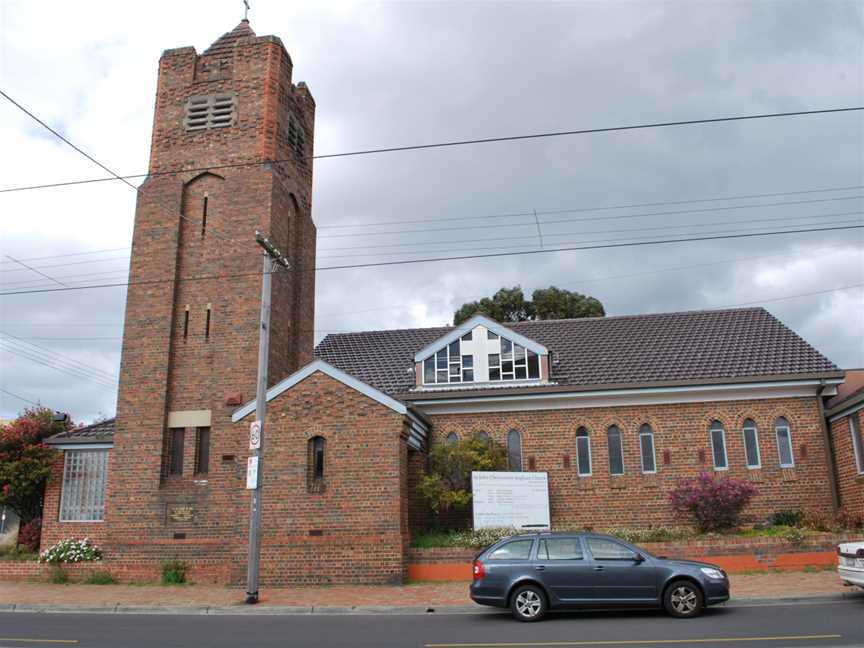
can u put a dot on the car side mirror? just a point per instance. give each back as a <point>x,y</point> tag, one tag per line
<point>638,558</point>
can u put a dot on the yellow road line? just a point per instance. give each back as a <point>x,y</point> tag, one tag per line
<point>39,641</point>
<point>632,642</point>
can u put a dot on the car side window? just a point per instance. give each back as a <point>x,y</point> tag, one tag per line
<point>603,549</point>
<point>516,550</point>
<point>560,549</point>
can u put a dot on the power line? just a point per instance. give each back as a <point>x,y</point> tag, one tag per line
<point>808,294</point>
<point>32,269</point>
<point>21,398</point>
<point>55,356</point>
<point>98,163</point>
<point>41,361</point>
<point>417,147</point>
<point>107,275</point>
<point>60,256</point>
<point>598,208</point>
<point>571,233</point>
<point>601,218</point>
<point>452,258</point>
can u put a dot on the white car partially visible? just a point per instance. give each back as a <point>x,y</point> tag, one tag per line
<point>850,563</point>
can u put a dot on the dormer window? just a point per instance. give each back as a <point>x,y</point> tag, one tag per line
<point>481,351</point>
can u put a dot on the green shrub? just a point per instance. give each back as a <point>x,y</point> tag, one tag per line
<point>791,518</point>
<point>100,578</point>
<point>793,535</point>
<point>58,576</point>
<point>173,572</point>
<point>447,484</point>
<point>71,551</point>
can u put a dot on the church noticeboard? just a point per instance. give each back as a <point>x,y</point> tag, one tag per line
<point>181,513</point>
<point>511,499</point>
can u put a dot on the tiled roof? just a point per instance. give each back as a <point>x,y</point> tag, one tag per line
<point>226,42</point>
<point>101,432</point>
<point>716,345</point>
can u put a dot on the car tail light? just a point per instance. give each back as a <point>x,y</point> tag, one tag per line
<point>479,570</point>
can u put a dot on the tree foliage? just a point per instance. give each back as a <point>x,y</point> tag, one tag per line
<point>25,460</point>
<point>447,483</point>
<point>510,305</point>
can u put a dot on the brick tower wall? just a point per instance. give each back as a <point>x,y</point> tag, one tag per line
<point>172,364</point>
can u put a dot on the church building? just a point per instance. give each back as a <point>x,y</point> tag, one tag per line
<point>613,409</point>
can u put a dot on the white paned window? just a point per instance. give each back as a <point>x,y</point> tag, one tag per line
<point>857,441</point>
<point>751,445</point>
<point>84,480</point>
<point>718,446</point>
<point>784,443</point>
<point>479,356</point>
<point>646,447</point>
<point>583,453</point>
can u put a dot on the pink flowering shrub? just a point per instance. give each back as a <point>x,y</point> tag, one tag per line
<point>714,504</point>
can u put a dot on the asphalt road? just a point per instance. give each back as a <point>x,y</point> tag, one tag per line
<point>838,623</point>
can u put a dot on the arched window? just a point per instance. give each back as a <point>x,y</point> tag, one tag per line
<point>514,450</point>
<point>452,437</point>
<point>751,445</point>
<point>583,453</point>
<point>315,468</point>
<point>646,448</point>
<point>616,451</point>
<point>718,445</point>
<point>784,443</point>
<point>482,436</point>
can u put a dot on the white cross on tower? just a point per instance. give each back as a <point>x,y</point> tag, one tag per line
<point>246,10</point>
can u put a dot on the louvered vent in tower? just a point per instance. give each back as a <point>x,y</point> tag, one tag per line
<point>210,111</point>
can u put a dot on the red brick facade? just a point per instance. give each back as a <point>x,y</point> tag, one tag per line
<point>190,347</point>
<point>850,482</point>
<point>680,435</point>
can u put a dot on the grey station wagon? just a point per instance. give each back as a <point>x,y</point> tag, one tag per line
<point>531,574</point>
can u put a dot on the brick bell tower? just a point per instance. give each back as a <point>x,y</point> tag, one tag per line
<point>244,131</point>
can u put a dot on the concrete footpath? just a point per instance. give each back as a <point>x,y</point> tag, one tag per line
<point>417,598</point>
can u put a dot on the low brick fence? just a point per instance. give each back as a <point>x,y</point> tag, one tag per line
<point>735,554</point>
<point>123,571</point>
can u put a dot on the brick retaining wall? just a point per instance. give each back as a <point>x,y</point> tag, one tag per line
<point>734,554</point>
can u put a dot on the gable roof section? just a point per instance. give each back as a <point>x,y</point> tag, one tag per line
<point>477,320</point>
<point>850,395</point>
<point>101,433</point>
<point>333,372</point>
<point>708,346</point>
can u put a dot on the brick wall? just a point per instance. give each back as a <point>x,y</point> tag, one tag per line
<point>53,530</point>
<point>680,434</point>
<point>850,482</point>
<point>168,365</point>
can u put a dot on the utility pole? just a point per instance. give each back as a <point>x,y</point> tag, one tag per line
<point>272,260</point>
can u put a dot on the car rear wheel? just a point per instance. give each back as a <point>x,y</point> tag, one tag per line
<point>528,603</point>
<point>683,599</point>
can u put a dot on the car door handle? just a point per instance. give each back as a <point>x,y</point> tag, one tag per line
<point>540,567</point>
<point>598,568</point>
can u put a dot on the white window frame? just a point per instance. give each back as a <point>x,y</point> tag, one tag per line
<point>857,441</point>
<point>609,453</point>
<point>788,428</point>
<point>649,433</point>
<point>722,430</point>
<point>755,429</point>
<point>587,438</point>
<point>85,496</point>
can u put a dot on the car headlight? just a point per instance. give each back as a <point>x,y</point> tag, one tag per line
<point>710,572</point>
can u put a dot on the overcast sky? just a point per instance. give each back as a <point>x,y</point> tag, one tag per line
<point>389,74</point>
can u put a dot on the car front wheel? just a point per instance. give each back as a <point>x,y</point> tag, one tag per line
<point>528,603</point>
<point>683,599</point>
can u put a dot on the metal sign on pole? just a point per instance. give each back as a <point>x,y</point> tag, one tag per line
<point>272,258</point>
